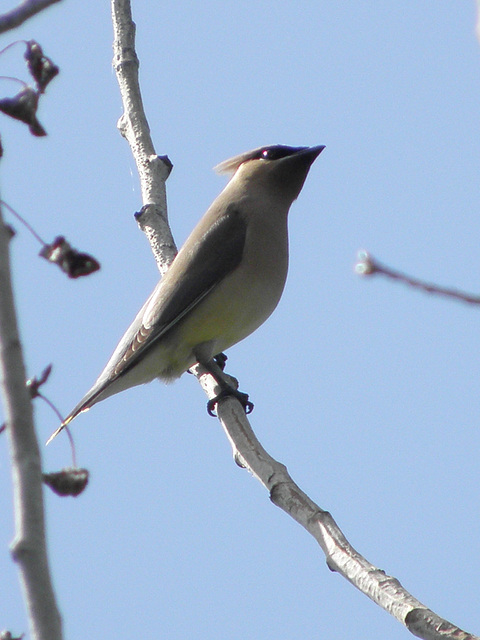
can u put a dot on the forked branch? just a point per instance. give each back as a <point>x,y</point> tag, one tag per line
<point>386,591</point>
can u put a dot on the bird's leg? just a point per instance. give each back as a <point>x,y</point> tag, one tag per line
<point>215,369</point>
<point>220,359</point>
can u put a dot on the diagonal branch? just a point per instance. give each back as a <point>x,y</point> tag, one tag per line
<point>367,265</point>
<point>385,590</point>
<point>25,10</point>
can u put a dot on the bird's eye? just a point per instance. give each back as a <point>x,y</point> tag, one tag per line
<point>278,151</point>
<point>273,153</point>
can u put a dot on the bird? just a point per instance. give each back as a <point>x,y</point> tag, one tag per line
<point>225,281</point>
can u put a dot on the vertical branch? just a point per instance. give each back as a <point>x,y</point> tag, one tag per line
<point>153,170</point>
<point>477,27</point>
<point>29,546</point>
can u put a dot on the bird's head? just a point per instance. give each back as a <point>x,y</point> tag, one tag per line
<point>277,167</point>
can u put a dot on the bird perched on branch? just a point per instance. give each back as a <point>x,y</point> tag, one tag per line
<point>224,283</point>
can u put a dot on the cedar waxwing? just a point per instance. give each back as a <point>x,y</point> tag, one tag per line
<point>224,283</point>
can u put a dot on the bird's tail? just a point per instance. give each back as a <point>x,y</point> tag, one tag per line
<point>78,409</point>
<point>60,428</point>
<point>95,394</point>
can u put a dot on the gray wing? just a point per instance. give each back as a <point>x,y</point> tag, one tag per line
<point>203,264</point>
<point>206,263</point>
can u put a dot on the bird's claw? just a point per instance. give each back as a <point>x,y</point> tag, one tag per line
<point>220,359</point>
<point>225,393</point>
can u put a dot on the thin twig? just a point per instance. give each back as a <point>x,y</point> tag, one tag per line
<point>25,10</point>
<point>9,46</point>
<point>67,430</point>
<point>367,265</point>
<point>24,222</point>
<point>24,84</point>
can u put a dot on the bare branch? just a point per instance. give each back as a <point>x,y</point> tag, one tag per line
<point>367,265</point>
<point>477,27</point>
<point>153,170</point>
<point>386,591</point>
<point>24,11</point>
<point>383,589</point>
<point>29,546</point>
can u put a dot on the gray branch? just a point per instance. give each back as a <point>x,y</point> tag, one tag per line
<point>153,170</point>
<point>477,26</point>
<point>29,546</point>
<point>386,591</point>
<point>25,10</point>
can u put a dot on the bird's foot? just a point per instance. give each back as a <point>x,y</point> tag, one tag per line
<point>221,359</point>
<point>225,393</point>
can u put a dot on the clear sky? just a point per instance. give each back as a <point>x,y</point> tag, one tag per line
<point>365,389</point>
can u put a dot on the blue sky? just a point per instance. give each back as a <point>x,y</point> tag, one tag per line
<point>365,389</point>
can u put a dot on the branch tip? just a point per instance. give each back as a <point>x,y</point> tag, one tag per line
<point>365,265</point>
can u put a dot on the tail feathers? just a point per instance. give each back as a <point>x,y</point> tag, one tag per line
<point>80,408</point>
<point>96,393</point>
<point>103,388</point>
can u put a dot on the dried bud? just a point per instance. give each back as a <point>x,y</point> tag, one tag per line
<point>68,482</point>
<point>34,384</point>
<point>41,68</point>
<point>71,261</point>
<point>23,107</point>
